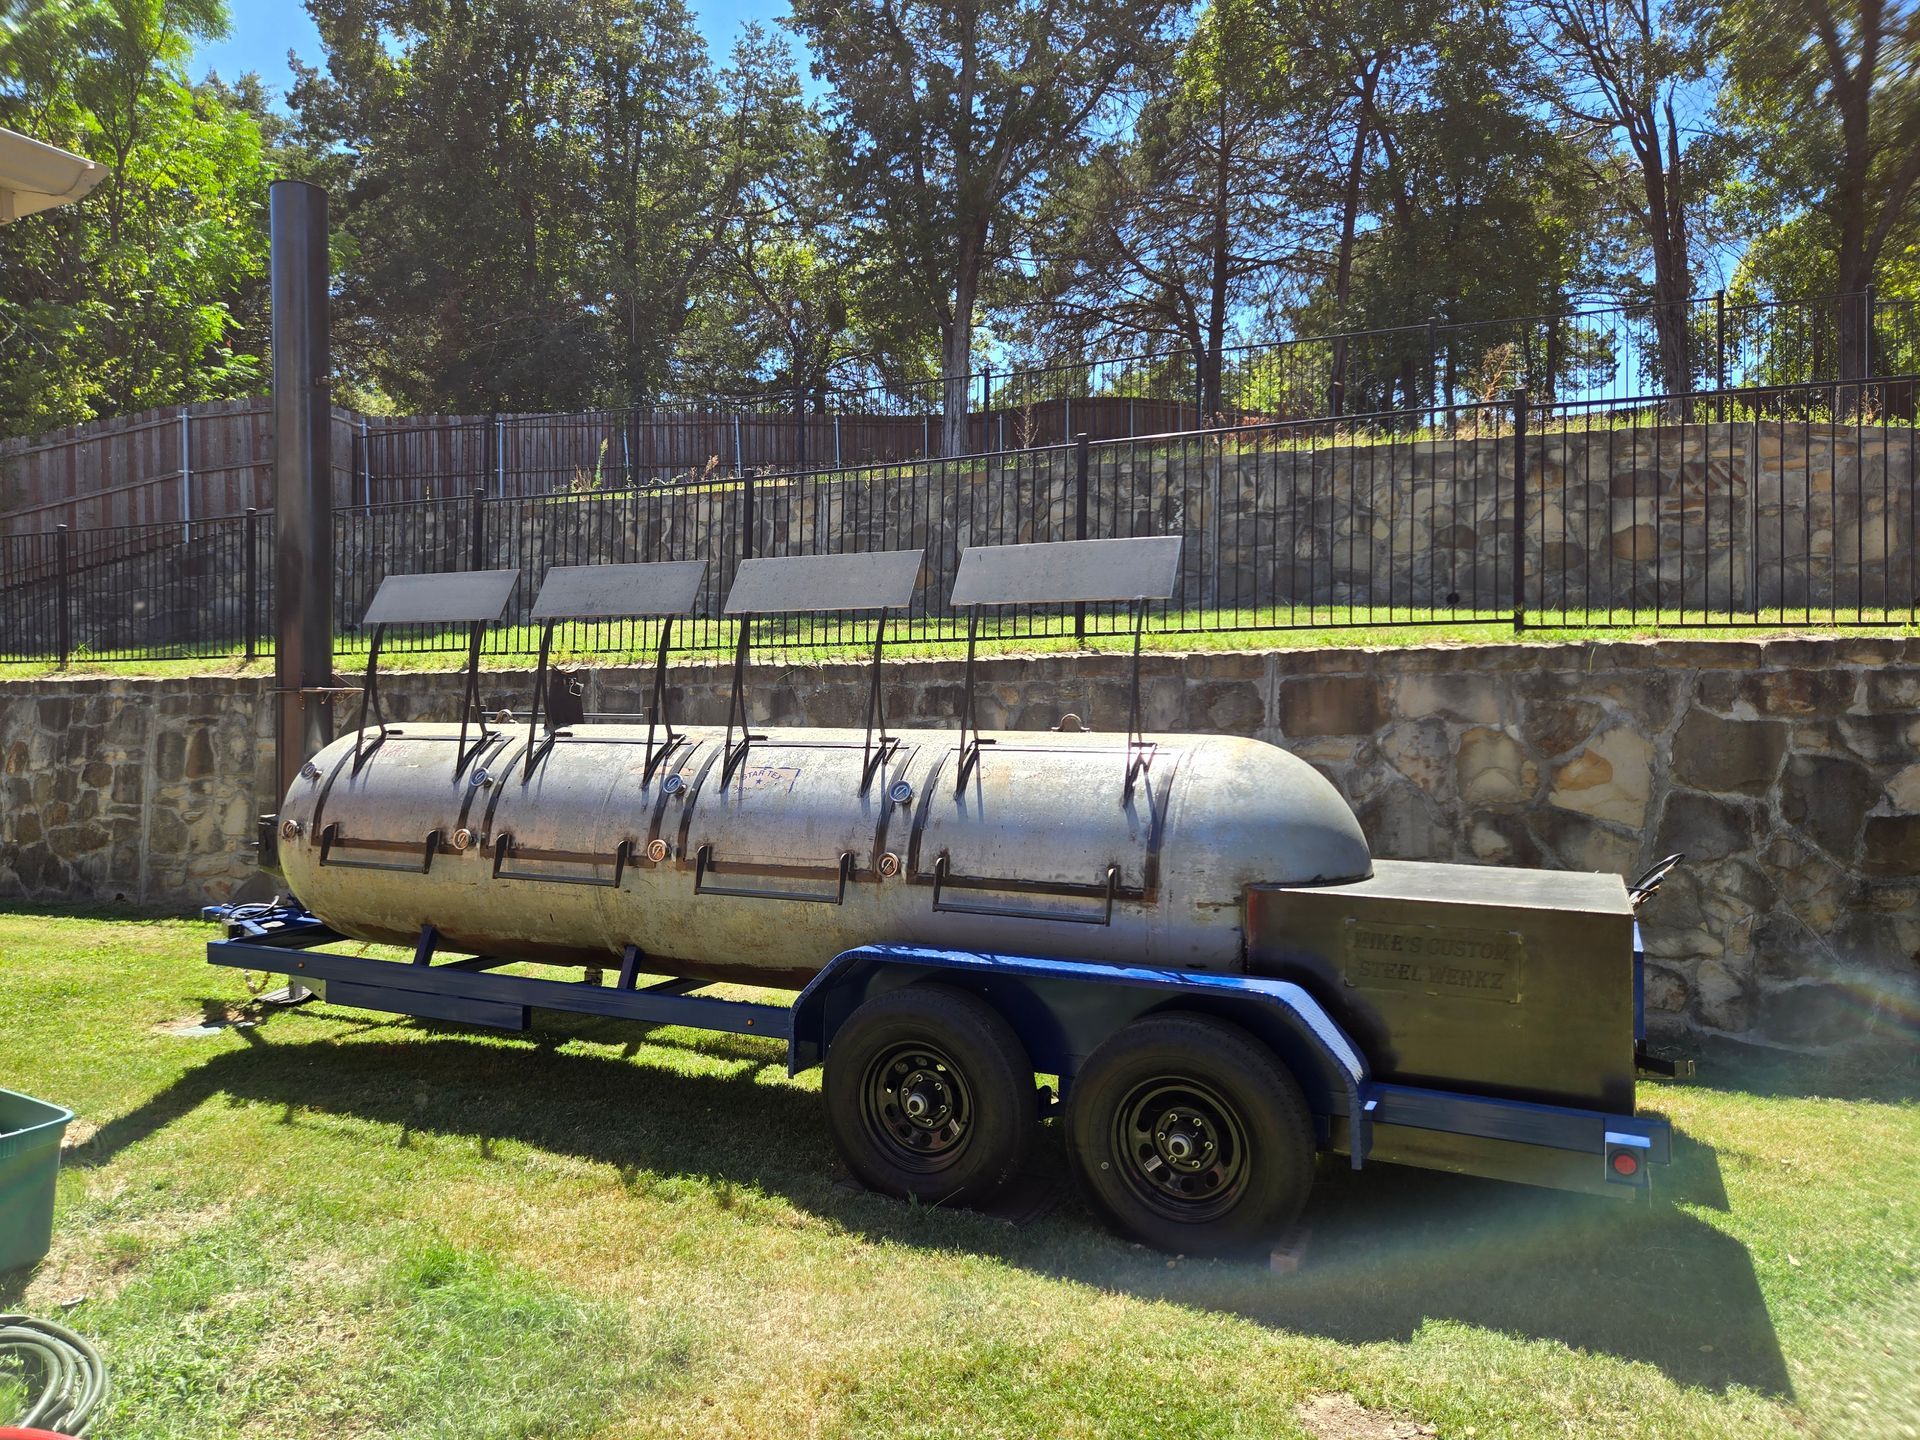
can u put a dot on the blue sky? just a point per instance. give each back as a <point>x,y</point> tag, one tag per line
<point>262,31</point>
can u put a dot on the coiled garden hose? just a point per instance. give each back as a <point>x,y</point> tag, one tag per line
<point>65,1375</point>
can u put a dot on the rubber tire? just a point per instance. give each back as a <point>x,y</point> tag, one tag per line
<point>982,1046</point>
<point>1272,1111</point>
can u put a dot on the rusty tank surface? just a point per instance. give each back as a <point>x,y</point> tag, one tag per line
<point>795,856</point>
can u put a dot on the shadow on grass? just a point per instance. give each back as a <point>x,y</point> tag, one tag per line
<point>1887,1074</point>
<point>1390,1249</point>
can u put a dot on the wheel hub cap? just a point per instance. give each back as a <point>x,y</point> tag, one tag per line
<point>917,1105</point>
<point>1181,1147</point>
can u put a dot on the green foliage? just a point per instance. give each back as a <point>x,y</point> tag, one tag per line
<point>783,313</point>
<point>561,204</point>
<point>1164,237</point>
<point>1822,101</point>
<point>1473,207</point>
<point>517,189</point>
<point>949,119</point>
<point>146,292</point>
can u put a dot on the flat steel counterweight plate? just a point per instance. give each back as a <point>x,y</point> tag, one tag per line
<point>882,580</point>
<point>1068,571</point>
<point>601,592</point>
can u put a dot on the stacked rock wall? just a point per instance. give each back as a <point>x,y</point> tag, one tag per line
<point>1787,770</point>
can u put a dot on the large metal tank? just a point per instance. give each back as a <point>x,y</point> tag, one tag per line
<point>1045,848</point>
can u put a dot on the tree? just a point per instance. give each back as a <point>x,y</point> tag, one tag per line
<point>1359,63</point>
<point>949,119</point>
<point>776,314</point>
<point>127,299</point>
<point>1621,67</point>
<point>1447,199</point>
<point>524,190</point>
<point>1171,232</point>
<point>1826,96</point>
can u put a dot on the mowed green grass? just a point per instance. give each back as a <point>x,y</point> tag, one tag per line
<point>780,642</point>
<point>340,1223</point>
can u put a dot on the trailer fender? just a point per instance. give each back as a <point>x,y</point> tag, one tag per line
<point>1063,1009</point>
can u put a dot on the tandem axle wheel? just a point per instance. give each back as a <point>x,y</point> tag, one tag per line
<point>1186,1133</point>
<point>930,1096</point>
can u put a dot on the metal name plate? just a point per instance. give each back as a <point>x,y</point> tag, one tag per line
<point>1446,961</point>
<point>1068,571</point>
<point>462,597</point>
<point>599,592</point>
<point>878,580</point>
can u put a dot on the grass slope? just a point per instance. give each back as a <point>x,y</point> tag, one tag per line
<point>339,1223</point>
<point>776,642</point>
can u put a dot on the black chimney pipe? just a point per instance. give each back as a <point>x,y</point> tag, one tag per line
<point>302,477</point>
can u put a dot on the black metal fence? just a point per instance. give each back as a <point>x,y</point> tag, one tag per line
<point>1608,353</point>
<point>1782,505</point>
<point>1367,379</point>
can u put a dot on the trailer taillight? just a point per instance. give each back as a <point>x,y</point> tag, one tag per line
<point>1626,1158</point>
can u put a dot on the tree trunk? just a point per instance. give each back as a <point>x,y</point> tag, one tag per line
<point>1667,241</point>
<point>1220,260</point>
<point>956,357</point>
<point>1349,224</point>
<point>1853,269</point>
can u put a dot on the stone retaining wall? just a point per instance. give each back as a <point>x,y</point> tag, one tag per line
<point>1729,518</point>
<point>1788,770</point>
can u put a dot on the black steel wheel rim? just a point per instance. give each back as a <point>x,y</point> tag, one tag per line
<point>1181,1147</point>
<point>917,1106</point>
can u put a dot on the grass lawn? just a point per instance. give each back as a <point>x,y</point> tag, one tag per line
<point>338,1223</point>
<point>517,646</point>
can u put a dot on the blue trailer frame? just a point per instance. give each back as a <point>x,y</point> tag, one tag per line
<point>1060,1009</point>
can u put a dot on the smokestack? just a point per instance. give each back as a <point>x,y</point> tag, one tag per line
<point>303,477</point>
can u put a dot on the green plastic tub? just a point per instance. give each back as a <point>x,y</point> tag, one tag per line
<point>30,1132</point>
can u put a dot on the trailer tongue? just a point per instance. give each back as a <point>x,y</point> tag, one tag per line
<point>1187,931</point>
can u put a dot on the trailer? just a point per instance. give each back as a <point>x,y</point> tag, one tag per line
<point>1186,934</point>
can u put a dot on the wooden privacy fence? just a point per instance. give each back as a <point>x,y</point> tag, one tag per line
<point>181,463</point>
<point>206,461</point>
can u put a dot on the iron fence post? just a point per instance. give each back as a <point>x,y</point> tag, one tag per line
<point>63,615</point>
<point>250,581</point>
<point>800,427</point>
<point>1433,360</point>
<point>186,475</point>
<point>1869,304</point>
<point>1520,400</point>
<point>746,520</point>
<point>1720,349</point>
<point>477,555</point>
<point>1080,457</point>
